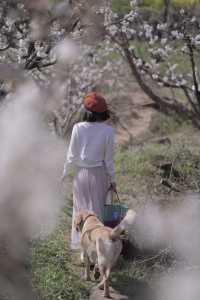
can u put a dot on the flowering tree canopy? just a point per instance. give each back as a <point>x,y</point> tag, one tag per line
<point>163,54</point>
<point>50,42</point>
<point>66,47</point>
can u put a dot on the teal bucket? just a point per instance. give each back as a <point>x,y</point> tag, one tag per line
<point>113,214</point>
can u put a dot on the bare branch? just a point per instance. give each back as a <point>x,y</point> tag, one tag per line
<point>194,106</point>
<point>193,66</point>
<point>5,48</point>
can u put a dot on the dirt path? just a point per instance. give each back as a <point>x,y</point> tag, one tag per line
<point>97,294</point>
<point>134,116</point>
<point>134,119</point>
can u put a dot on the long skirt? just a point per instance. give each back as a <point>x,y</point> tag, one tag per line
<point>89,192</point>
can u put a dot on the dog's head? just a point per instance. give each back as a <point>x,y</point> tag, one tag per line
<point>80,219</point>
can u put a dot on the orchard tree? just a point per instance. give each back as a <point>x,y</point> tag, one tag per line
<point>30,29</point>
<point>60,45</point>
<point>163,57</point>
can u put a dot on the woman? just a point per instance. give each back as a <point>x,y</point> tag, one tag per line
<point>91,152</point>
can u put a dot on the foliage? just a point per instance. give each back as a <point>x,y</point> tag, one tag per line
<point>139,169</point>
<point>166,39</point>
<point>55,275</point>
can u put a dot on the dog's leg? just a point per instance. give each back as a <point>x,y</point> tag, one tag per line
<point>102,273</point>
<point>105,273</point>
<point>87,267</point>
<point>106,284</point>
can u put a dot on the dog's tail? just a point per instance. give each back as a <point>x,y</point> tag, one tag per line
<point>125,225</point>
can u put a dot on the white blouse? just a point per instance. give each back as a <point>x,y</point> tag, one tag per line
<point>91,145</point>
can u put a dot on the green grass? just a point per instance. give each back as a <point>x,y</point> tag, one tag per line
<point>56,274</point>
<point>138,170</point>
<point>123,6</point>
<point>176,3</point>
<point>55,270</point>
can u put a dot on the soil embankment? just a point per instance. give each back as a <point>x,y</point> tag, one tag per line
<point>133,116</point>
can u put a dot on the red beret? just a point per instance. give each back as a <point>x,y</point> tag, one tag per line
<point>94,102</point>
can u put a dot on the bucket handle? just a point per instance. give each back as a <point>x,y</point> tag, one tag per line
<point>115,191</point>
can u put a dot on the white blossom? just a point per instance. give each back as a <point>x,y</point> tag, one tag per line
<point>133,3</point>
<point>148,30</point>
<point>139,62</point>
<point>131,16</point>
<point>193,19</point>
<point>173,77</point>
<point>183,82</point>
<point>196,40</point>
<point>163,41</point>
<point>155,76</point>
<point>162,26</point>
<point>173,67</point>
<point>175,33</point>
<point>124,29</point>
<point>168,49</point>
<point>113,30</point>
<point>184,49</point>
<point>133,31</point>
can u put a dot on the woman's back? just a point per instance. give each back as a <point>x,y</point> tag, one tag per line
<point>91,150</point>
<point>93,141</point>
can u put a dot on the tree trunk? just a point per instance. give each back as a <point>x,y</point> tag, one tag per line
<point>167,4</point>
<point>168,108</point>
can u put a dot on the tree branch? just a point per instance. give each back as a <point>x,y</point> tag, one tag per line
<point>193,66</point>
<point>193,105</point>
<point>161,103</point>
<point>5,48</point>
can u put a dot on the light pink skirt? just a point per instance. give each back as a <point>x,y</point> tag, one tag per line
<point>89,192</point>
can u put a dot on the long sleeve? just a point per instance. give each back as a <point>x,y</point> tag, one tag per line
<point>71,152</point>
<point>109,154</point>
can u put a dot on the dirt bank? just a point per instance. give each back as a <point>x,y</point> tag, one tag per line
<point>133,116</point>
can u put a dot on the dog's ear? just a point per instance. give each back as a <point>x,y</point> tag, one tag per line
<point>78,222</point>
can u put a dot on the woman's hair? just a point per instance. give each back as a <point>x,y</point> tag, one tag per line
<point>89,116</point>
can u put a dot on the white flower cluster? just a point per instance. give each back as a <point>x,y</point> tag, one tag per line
<point>162,26</point>
<point>155,76</point>
<point>113,29</point>
<point>139,62</point>
<point>148,31</point>
<point>133,3</point>
<point>177,35</point>
<point>196,40</point>
<point>91,69</point>
<point>163,43</point>
<point>109,16</point>
<point>159,54</point>
<point>131,16</point>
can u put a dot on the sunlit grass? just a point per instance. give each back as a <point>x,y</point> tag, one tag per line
<point>123,6</point>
